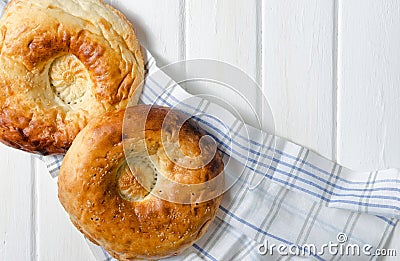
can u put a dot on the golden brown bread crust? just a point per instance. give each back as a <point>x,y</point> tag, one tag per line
<point>62,63</point>
<point>90,184</point>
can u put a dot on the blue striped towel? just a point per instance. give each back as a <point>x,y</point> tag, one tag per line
<point>299,198</point>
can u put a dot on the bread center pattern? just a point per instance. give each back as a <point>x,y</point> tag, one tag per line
<point>69,79</point>
<point>136,182</point>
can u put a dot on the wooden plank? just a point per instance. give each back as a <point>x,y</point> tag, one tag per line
<point>368,81</point>
<point>298,39</point>
<point>17,199</point>
<point>224,30</point>
<point>158,25</point>
<point>369,93</point>
<point>227,31</point>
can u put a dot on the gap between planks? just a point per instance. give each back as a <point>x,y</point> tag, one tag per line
<point>335,81</point>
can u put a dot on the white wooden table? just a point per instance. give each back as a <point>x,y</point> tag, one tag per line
<point>329,68</point>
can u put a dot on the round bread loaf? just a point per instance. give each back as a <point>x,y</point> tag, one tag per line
<point>61,64</point>
<point>105,200</point>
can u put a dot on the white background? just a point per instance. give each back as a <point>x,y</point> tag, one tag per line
<point>329,68</point>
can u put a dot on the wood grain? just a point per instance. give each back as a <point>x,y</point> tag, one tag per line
<point>298,71</point>
<point>369,78</point>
